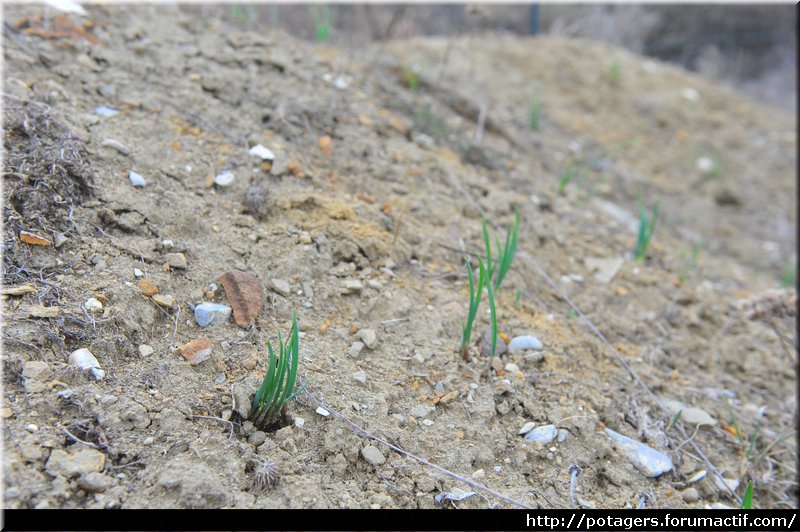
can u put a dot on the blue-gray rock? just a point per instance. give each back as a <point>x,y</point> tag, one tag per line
<point>207,313</point>
<point>647,460</point>
<point>106,111</point>
<point>136,179</point>
<point>544,434</point>
<point>525,342</point>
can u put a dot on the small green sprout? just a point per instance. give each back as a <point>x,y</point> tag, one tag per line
<point>646,228</point>
<point>411,79</point>
<point>517,299</point>
<point>474,302</point>
<point>277,388</point>
<point>789,275</point>
<point>747,500</point>
<point>505,253</point>
<point>322,17</point>
<point>571,172</point>
<point>614,73</point>
<point>492,314</point>
<point>675,419</point>
<point>534,113</point>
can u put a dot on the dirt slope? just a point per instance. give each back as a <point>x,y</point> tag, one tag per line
<point>369,229</point>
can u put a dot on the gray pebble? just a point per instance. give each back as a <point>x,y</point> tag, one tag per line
<point>356,348</point>
<point>257,438</point>
<point>361,377</point>
<point>544,434</point>
<point>647,460</point>
<point>95,482</point>
<point>421,410</point>
<point>280,286</point>
<point>369,337</point>
<point>372,455</point>
<point>349,286</point>
<point>211,313</point>
<point>690,495</point>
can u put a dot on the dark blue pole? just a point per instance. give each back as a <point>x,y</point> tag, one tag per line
<point>534,19</point>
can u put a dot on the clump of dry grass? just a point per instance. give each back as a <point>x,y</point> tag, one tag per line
<point>770,304</point>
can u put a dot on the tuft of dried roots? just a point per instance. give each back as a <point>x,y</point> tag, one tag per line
<point>266,474</point>
<point>771,303</point>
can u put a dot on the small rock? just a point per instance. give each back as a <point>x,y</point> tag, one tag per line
<point>563,434</point>
<point>604,269</point>
<point>105,112</point>
<point>147,288</point>
<point>544,434</point>
<point>719,506</point>
<point>647,460</point>
<point>145,350</point>
<point>257,438</point>
<point>85,360</point>
<point>59,239</point>
<point>136,179</point>
<point>95,482</point>
<point>137,272</point>
<point>421,410</point>
<point>224,179</point>
<point>6,413</point>
<point>326,145</point>
<point>690,414</point>
<point>360,377</point>
<point>527,427</point>
<point>723,483</point>
<point>40,311</point>
<point>321,411</point>
<point>690,495</point>
<point>165,301</point>
<point>80,462</point>
<point>705,164</point>
<point>36,370</point>
<point>196,351</point>
<point>299,422</point>
<point>31,427</point>
<point>479,474</point>
<point>356,348</point>
<point>697,477</point>
<point>372,455</point>
<point>511,368</point>
<point>176,260</point>
<point>93,305</point>
<point>265,154</point>
<point>350,286</point>
<point>244,294</point>
<point>525,342</point>
<point>281,286</point>
<point>500,349</point>
<point>250,363</point>
<point>369,337</point>
<point>690,94</point>
<point>211,313</point>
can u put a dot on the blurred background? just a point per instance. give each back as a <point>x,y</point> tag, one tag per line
<point>752,48</point>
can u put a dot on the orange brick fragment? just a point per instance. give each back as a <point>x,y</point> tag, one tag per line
<point>34,239</point>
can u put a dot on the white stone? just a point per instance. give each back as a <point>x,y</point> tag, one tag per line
<point>93,305</point>
<point>145,350</point>
<point>137,272</point>
<point>136,179</point>
<point>85,360</point>
<point>525,342</point>
<point>321,411</point>
<point>299,422</point>
<point>225,178</point>
<point>527,427</point>
<point>361,377</point>
<point>262,152</point>
<point>369,337</point>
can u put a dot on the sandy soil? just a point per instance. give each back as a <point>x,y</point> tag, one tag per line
<point>368,230</point>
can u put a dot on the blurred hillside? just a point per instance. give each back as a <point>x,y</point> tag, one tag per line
<point>749,47</point>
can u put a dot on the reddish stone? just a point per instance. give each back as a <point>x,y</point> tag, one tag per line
<point>245,296</point>
<point>196,351</point>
